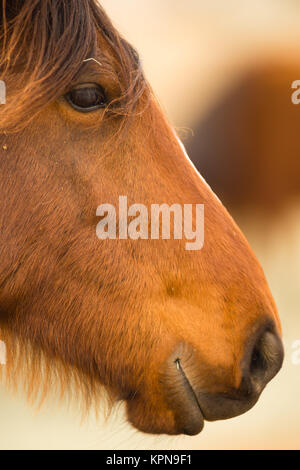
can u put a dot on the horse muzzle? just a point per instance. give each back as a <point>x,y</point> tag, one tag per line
<point>189,388</point>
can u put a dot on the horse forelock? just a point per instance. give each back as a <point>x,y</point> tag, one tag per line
<point>44,45</point>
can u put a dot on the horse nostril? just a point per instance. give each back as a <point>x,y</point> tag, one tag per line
<point>258,362</point>
<point>262,360</point>
<point>265,360</point>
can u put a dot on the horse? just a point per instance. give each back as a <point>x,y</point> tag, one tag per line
<point>179,336</point>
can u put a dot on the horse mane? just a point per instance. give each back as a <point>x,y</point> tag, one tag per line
<point>57,37</point>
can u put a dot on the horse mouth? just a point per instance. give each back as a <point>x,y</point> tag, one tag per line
<point>180,392</point>
<point>191,417</point>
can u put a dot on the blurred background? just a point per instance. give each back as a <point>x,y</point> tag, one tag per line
<point>222,71</point>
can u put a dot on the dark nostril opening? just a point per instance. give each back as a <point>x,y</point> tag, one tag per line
<point>266,357</point>
<point>258,361</point>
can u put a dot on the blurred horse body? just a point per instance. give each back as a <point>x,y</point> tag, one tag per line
<point>247,147</point>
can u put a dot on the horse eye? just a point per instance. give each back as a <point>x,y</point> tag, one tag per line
<point>87,98</point>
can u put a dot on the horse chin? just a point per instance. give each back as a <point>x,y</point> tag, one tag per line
<point>172,407</point>
<point>163,420</point>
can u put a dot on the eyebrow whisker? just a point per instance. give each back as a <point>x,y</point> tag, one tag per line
<point>94,60</point>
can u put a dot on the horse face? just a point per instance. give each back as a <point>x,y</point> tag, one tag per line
<point>181,336</point>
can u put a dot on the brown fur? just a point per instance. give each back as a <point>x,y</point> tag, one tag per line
<point>107,312</point>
